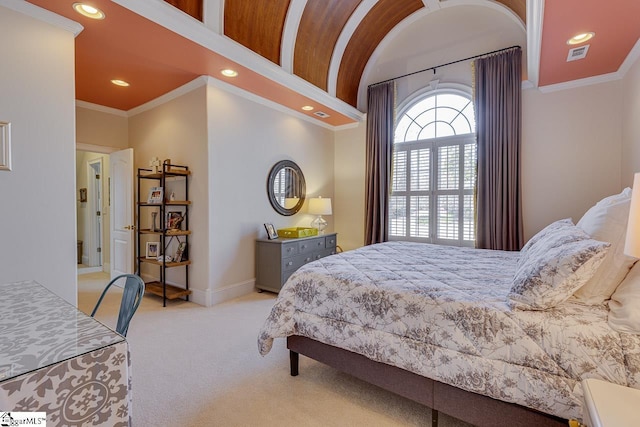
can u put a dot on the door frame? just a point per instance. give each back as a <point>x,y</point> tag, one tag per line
<point>94,224</point>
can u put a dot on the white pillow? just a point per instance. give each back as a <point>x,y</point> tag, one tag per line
<point>607,222</point>
<point>554,267</point>
<point>550,230</point>
<point>624,307</point>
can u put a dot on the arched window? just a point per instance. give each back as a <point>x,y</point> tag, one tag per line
<point>434,171</point>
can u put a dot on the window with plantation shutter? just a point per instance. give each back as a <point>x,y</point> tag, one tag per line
<point>434,171</point>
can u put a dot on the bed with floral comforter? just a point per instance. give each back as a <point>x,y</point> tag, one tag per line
<point>442,312</point>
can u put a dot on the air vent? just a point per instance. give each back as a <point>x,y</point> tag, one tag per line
<point>321,114</point>
<point>577,53</point>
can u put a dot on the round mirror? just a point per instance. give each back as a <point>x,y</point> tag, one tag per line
<point>286,187</point>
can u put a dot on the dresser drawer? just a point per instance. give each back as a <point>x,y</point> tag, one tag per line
<point>311,245</point>
<point>289,249</point>
<point>292,263</point>
<point>330,242</point>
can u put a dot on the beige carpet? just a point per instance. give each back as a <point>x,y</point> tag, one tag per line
<point>197,366</point>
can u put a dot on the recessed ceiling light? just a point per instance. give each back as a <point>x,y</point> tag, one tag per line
<point>307,108</point>
<point>88,11</point>
<point>228,72</point>
<point>118,82</point>
<point>580,38</point>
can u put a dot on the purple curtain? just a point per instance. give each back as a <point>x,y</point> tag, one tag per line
<point>497,92</point>
<point>380,121</point>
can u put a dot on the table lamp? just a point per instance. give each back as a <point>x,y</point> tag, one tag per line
<point>319,206</point>
<point>632,242</point>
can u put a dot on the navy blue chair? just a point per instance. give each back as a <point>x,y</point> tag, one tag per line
<point>131,299</point>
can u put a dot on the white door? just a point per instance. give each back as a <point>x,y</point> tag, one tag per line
<point>122,226</point>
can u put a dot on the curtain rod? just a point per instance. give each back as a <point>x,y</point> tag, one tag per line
<point>444,65</point>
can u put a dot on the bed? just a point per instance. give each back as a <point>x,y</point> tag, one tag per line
<point>445,326</point>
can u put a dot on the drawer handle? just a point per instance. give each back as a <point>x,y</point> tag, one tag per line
<point>289,249</point>
<point>308,259</point>
<point>304,246</point>
<point>319,243</point>
<point>318,256</point>
<point>290,263</point>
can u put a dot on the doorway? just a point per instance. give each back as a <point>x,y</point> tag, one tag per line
<point>92,182</point>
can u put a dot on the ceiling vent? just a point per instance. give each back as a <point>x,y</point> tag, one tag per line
<point>578,53</point>
<point>321,114</point>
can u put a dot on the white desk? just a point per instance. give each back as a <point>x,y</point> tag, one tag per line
<point>58,360</point>
<point>610,405</point>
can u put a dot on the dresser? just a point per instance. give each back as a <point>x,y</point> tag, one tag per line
<point>277,259</point>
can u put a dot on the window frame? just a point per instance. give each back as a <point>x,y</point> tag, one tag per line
<point>433,144</point>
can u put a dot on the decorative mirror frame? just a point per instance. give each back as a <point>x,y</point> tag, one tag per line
<point>271,180</point>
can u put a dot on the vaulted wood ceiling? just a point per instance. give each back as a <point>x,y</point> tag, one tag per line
<point>311,52</point>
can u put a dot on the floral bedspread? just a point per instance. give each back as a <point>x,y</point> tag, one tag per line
<point>442,312</point>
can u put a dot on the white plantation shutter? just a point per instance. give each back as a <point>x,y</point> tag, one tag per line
<point>434,168</point>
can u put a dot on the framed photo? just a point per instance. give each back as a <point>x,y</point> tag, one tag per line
<point>153,250</point>
<point>174,220</point>
<point>271,231</point>
<point>5,146</point>
<point>180,252</point>
<point>155,195</point>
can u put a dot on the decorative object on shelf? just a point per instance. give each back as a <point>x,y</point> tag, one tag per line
<point>155,163</point>
<point>172,197</point>
<point>154,217</point>
<point>165,258</point>
<point>180,251</point>
<point>152,250</point>
<point>297,232</point>
<point>319,206</point>
<point>155,195</point>
<point>174,220</point>
<point>83,195</point>
<point>271,231</point>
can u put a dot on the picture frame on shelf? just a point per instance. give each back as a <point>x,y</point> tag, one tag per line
<point>271,231</point>
<point>153,250</point>
<point>174,220</point>
<point>180,252</point>
<point>155,195</point>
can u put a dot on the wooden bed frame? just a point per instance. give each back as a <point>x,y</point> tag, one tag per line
<point>470,407</point>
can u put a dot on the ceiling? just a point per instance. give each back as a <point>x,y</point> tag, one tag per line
<point>311,52</point>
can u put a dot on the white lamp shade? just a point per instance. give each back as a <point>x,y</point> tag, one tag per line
<point>320,206</point>
<point>632,242</point>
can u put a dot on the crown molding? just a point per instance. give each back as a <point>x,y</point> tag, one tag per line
<point>101,108</point>
<point>43,15</point>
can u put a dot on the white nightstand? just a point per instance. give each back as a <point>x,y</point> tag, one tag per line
<point>610,405</point>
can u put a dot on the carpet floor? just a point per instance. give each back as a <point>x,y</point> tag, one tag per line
<point>197,366</point>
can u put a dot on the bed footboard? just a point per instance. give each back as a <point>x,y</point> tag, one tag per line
<point>464,405</point>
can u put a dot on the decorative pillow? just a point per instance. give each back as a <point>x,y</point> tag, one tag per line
<point>624,307</point>
<point>549,230</point>
<point>607,222</point>
<point>549,274</point>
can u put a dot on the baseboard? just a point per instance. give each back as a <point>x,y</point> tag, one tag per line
<point>87,270</point>
<point>208,298</point>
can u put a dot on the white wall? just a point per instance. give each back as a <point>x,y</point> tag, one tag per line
<point>37,212</point>
<point>177,130</point>
<point>245,140</point>
<point>102,128</point>
<point>631,124</point>
<point>350,174</point>
<point>571,150</point>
